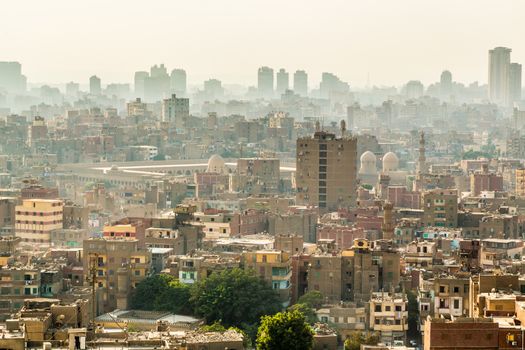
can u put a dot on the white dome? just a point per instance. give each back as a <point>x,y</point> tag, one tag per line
<point>216,164</point>
<point>368,164</point>
<point>390,162</point>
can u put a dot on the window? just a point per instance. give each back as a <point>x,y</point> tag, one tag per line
<point>456,304</point>
<point>456,289</point>
<point>442,289</point>
<point>377,308</point>
<point>398,307</point>
<point>376,321</point>
<point>387,308</point>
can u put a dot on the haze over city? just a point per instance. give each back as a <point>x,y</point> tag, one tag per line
<point>381,42</point>
<point>262,175</point>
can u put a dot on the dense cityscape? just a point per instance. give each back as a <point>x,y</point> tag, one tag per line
<point>295,212</point>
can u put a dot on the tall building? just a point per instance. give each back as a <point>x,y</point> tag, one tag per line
<point>11,78</point>
<point>326,170</point>
<point>95,86</point>
<point>300,83</point>
<point>157,85</point>
<point>213,89</point>
<point>119,264</point>
<point>36,218</point>
<point>72,89</point>
<point>283,81</point>
<point>265,82</point>
<point>178,81</point>
<point>332,85</point>
<point>440,208</point>
<point>445,85</point>
<point>499,73</point>
<point>515,82</point>
<point>175,110</point>
<point>414,89</point>
<point>139,81</point>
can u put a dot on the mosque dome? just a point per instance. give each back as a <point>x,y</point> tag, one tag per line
<point>216,164</point>
<point>368,164</point>
<point>390,162</point>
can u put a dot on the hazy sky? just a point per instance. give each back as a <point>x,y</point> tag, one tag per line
<point>392,40</point>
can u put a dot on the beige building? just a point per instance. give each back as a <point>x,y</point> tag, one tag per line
<point>389,316</point>
<point>273,266</point>
<point>440,208</point>
<point>520,182</point>
<point>326,171</point>
<point>36,218</point>
<point>118,265</point>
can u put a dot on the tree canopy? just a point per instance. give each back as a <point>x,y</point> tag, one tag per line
<point>234,298</point>
<point>313,298</point>
<point>285,331</point>
<point>162,293</point>
<point>354,341</point>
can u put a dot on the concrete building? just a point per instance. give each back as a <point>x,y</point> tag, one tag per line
<point>265,82</point>
<point>274,267</point>
<point>283,81</point>
<point>499,74</point>
<point>440,208</point>
<point>515,82</point>
<point>118,265</point>
<point>36,218</point>
<point>300,83</point>
<point>326,170</point>
<point>256,176</point>
<point>175,111</point>
<point>95,87</point>
<point>178,81</point>
<point>389,316</point>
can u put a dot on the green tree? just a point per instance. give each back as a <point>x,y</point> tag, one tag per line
<point>162,293</point>
<point>306,310</point>
<point>413,316</point>
<point>358,338</point>
<point>314,299</point>
<point>234,298</point>
<point>286,330</point>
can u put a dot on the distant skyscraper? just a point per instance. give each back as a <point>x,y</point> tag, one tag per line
<point>11,78</point>
<point>265,82</point>
<point>178,81</point>
<point>283,81</point>
<point>175,111</point>
<point>72,89</point>
<point>300,83</point>
<point>499,74</point>
<point>213,89</point>
<point>515,82</point>
<point>157,85</point>
<point>331,84</point>
<point>139,81</point>
<point>95,86</point>
<point>414,89</point>
<point>445,85</point>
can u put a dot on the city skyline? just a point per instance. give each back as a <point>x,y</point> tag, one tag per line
<point>412,42</point>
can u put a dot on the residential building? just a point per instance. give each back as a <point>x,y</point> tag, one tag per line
<point>274,267</point>
<point>326,171</point>
<point>175,111</point>
<point>119,265</point>
<point>389,316</point>
<point>36,218</point>
<point>440,208</point>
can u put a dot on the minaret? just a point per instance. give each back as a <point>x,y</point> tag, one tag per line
<point>388,223</point>
<point>421,167</point>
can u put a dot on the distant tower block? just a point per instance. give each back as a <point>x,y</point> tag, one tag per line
<point>388,222</point>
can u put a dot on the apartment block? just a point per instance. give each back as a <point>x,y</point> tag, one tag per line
<point>36,218</point>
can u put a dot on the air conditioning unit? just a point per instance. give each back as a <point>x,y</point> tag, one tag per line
<point>514,343</point>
